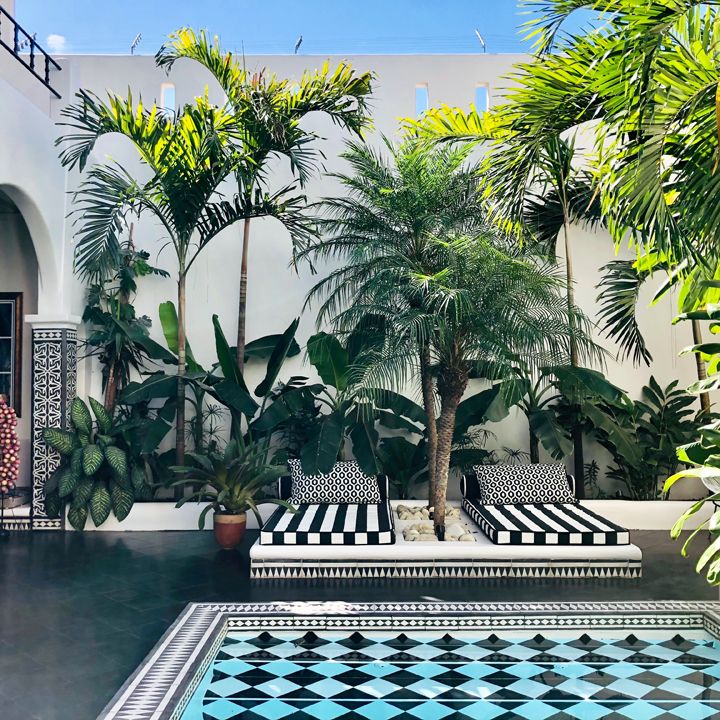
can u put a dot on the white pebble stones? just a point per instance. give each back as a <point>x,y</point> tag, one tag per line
<point>422,531</point>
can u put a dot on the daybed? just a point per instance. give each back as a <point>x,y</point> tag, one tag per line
<point>533,505</point>
<point>344,507</point>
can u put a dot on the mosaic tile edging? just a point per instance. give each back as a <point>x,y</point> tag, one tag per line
<point>163,684</point>
<point>310,570</point>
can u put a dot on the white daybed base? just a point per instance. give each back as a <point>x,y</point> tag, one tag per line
<point>423,560</point>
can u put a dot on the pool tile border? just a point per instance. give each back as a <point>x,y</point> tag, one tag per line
<point>163,684</point>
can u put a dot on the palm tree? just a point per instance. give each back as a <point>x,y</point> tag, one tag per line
<point>268,113</point>
<point>400,200</point>
<point>488,308</point>
<point>534,189</point>
<point>653,76</point>
<point>186,154</point>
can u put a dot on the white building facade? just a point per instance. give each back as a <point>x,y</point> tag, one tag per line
<point>36,236</point>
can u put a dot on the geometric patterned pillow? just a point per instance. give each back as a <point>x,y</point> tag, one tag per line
<point>345,483</point>
<point>523,484</point>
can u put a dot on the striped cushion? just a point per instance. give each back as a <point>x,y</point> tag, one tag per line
<point>351,524</point>
<point>544,524</point>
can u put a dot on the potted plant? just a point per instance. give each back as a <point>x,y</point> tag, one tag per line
<point>230,482</point>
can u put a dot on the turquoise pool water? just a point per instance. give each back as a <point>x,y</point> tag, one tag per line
<point>465,676</point>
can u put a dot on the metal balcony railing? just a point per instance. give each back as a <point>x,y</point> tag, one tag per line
<point>26,50</point>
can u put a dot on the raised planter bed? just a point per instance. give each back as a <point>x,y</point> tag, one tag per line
<point>632,514</point>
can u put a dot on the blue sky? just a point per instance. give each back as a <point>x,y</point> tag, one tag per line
<point>273,26</point>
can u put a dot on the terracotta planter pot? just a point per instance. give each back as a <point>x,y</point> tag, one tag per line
<point>229,529</point>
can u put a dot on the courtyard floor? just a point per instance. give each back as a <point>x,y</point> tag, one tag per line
<point>78,612</point>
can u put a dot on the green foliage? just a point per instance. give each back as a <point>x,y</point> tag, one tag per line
<point>701,455</point>
<point>94,475</point>
<point>642,436</point>
<point>230,481</point>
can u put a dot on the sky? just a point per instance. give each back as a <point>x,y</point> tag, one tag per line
<point>274,26</point>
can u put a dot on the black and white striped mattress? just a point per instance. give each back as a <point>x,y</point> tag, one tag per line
<point>544,524</point>
<point>346,524</point>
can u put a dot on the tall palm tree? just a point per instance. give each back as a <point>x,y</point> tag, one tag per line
<point>488,307</point>
<point>268,114</point>
<point>534,188</point>
<point>187,157</point>
<point>400,201</point>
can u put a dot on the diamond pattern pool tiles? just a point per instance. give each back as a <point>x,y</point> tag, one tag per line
<point>434,676</point>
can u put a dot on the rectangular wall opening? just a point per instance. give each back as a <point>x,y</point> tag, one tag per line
<point>422,99</point>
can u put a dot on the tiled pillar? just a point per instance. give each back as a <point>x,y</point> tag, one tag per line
<point>54,379</point>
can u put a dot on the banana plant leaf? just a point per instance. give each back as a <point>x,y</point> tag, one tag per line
<point>277,358</point>
<point>262,348</point>
<point>321,451</point>
<point>576,383</point>
<point>170,328</point>
<point>364,438</point>
<point>330,360</point>
<point>552,436</point>
<point>155,385</point>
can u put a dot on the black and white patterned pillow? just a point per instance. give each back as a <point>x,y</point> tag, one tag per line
<point>345,483</point>
<point>522,484</point>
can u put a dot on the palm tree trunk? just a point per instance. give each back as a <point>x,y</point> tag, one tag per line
<point>180,411</point>
<point>451,386</point>
<point>577,436</point>
<point>242,302</point>
<point>700,363</point>
<point>429,403</point>
<point>110,388</point>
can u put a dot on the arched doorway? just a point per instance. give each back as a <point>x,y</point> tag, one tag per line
<point>18,297</point>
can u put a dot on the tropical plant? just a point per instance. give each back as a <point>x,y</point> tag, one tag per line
<point>552,399</point>
<point>187,156</point>
<point>114,324</point>
<point>398,202</point>
<point>703,456</point>
<point>652,427</point>
<point>535,188</point>
<point>649,82</point>
<point>268,114</point>
<point>96,474</point>
<point>487,308</point>
<point>230,481</point>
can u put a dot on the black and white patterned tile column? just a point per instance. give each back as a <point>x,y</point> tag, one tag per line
<point>54,380</point>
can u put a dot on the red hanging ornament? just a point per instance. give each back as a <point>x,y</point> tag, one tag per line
<point>9,448</point>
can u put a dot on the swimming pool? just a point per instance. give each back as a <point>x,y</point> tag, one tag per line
<point>431,661</point>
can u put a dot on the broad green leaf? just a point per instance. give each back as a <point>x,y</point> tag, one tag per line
<point>277,358</point>
<point>330,359</point>
<point>122,501</point>
<point>77,517</point>
<point>83,491</point>
<point>364,438</point>
<point>226,358</point>
<point>100,503</point>
<point>80,415</point>
<point>102,416</point>
<point>550,433</point>
<point>170,328</point>
<point>53,505</point>
<point>235,396</point>
<point>577,383</point>
<point>156,385</point>
<point>623,440</point>
<point>262,348</point>
<point>321,451</point>
<point>67,481</point>
<point>61,440</point>
<point>117,460</point>
<point>92,459</point>
<point>400,405</point>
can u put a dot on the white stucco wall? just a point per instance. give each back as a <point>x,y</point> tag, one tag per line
<point>29,168</point>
